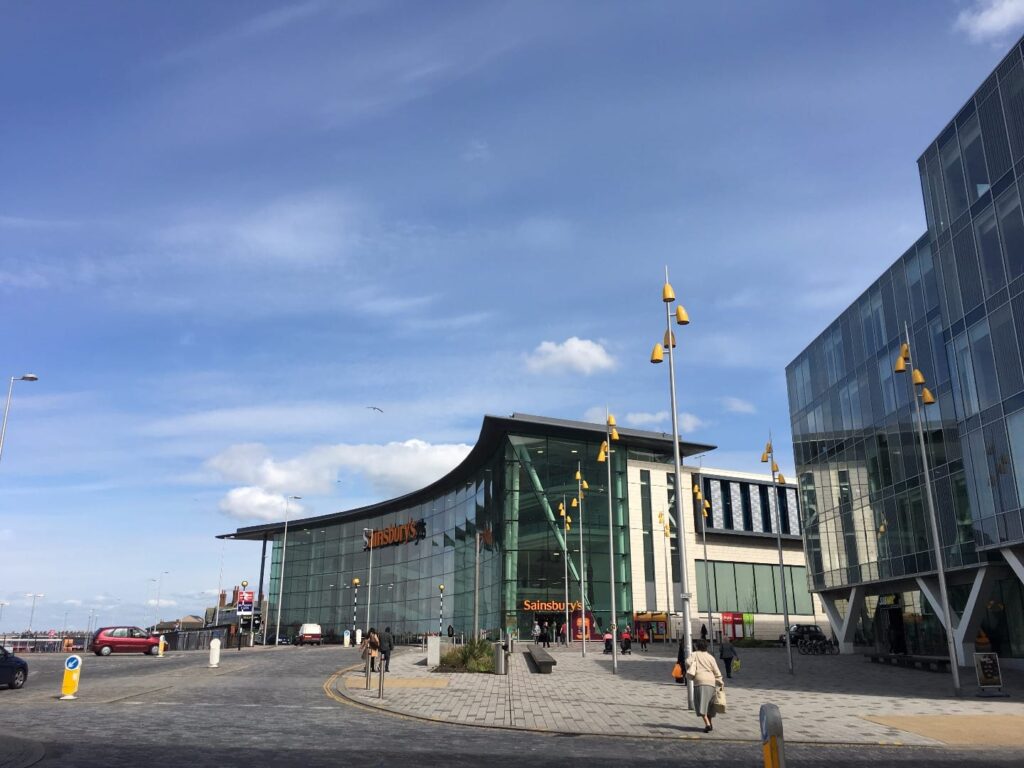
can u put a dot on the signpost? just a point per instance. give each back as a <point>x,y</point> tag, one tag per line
<point>986,668</point>
<point>72,671</point>
<point>244,609</point>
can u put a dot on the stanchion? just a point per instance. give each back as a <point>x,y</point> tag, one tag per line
<point>72,672</point>
<point>214,653</point>
<point>368,657</point>
<point>380,681</point>
<point>162,647</point>
<point>772,744</point>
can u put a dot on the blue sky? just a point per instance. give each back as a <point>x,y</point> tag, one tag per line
<point>226,229</point>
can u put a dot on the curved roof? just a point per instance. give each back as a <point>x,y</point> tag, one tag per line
<point>493,429</point>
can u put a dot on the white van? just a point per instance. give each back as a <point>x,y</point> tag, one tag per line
<point>309,634</point>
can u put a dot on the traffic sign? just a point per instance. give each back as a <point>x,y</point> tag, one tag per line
<point>245,601</point>
<point>72,671</point>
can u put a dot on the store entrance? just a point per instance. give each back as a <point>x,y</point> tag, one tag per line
<point>549,624</point>
<point>890,634</point>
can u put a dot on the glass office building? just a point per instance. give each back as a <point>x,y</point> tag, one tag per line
<point>490,533</point>
<point>960,291</point>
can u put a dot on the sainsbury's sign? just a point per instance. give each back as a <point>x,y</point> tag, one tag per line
<point>402,533</point>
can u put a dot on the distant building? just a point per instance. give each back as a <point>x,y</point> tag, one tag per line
<point>960,290</point>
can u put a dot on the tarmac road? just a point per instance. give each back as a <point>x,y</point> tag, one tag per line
<point>268,707</point>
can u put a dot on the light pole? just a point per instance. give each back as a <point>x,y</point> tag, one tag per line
<point>667,297</point>
<point>668,567</point>
<point>768,457</point>
<point>581,485</point>
<point>440,613</point>
<point>220,586</point>
<point>927,398</point>
<point>32,613</point>
<point>355,606</point>
<point>604,456</point>
<point>2,604</point>
<point>7,408</point>
<point>704,509</point>
<point>566,527</point>
<point>280,577</point>
<point>369,585</point>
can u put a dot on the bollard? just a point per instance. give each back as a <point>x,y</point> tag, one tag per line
<point>368,657</point>
<point>72,671</point>
<point>162,647</point>
<point>380,679</point>
<point>214,653</point>
<point>772,744</point>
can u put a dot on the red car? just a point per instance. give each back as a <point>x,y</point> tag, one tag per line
<point>110,640</point>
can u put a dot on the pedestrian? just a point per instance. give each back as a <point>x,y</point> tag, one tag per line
<point>702,668</point>
<point>704,632</point>
<point>451,631</point>
<point>545,636</point>
<point>641,635</point>
<point>371,648</point>
<point>727,653</point>
<point>536,632</point>
<point>562,635</point>
<point>387,644</point>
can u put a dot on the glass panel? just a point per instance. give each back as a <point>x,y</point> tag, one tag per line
<point>746,593</point>
<point>974,158</point>
<point>965,368</point>
<point>953,174</point>
<point>1015,426</point>
<point>984,365</point>
<point>991,256</point>
<point>764,581</point>
<point>725,586</point>
<point>1011,226</point>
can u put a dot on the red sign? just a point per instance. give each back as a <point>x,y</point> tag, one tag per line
<point>245,597</point>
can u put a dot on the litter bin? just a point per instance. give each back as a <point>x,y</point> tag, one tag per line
<point>500,667</point>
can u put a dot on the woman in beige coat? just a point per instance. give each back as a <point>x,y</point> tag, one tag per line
<point>702,668</point>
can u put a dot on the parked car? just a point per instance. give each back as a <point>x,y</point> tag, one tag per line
<point>110,640</point>
<point>13,670</point>
<point>799,632</point>
<point>269,639</point>
<point>309,634</point>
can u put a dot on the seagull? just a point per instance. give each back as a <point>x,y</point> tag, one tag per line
<point>375,408</point>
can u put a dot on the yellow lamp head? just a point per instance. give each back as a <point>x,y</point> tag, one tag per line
<point>585,486</point>
<point>657,354</point>
<point>904,350</point>
<point>601,456</point>
<point>707,506</point>
<point>669,340</point>
<point>667,294</point>
<point>615,434</point>
<point>698,496</point>
<point>611,420</point>
<point>768,447</point>
<point>775,467</point>
<point>901,365</point>
<point>782,479</point>
<point>764,457</point>
<point>355,582</point>
<point>696,489</point>
<point>917,377</point>
<point>574,503</point>
<point>681,317</point>
<point>578,475</point>
<point>927,397</point>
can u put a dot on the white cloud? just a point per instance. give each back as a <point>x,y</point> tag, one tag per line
<point>478,151</point>
<point>646,419</point>
<point>737,405</point>
<point>164,602</point>
<point>689,423</point>
<point>73,602</point>
<point>251,503</point>
<point>574,355</point>
<point>991,19</point>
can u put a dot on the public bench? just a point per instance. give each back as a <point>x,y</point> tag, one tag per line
<point>541,659</point>
<point>931,663</point>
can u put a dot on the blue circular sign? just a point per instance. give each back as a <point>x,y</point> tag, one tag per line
<point>72,663</point>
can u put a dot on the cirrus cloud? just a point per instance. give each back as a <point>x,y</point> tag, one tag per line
<point>991,19</point>
<point>574,355</point>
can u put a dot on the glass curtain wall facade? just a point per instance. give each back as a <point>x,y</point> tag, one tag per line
<point>511,500</point>
<point>960,290</point>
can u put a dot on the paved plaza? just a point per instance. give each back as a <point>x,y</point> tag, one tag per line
<point>829,699</point>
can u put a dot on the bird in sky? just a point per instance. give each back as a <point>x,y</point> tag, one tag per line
<point>375,408</point>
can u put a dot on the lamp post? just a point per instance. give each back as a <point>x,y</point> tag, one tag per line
<point>604,456</point>
<point>663,521</point>
<point>919,390</point>
<point>768,457</point>
<point>566,527</point>
<point>7,408</point>
<point>355,605</point>
<point>280,576</point>
<point>705,507</point>
<point>369,585</point>
<point>32,613</point>
<point>2,604</point>
<point>657,355</point>
<point>440,613</point>
<point>581,485</point>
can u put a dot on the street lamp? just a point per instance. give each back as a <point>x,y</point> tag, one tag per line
<point>768,457</point>
<point>581,486</point>
<point>663,521</point>
<point>566,527</point>
<point>2,604</point>
<point>32,613</point>
<point>280,577</point>
<point>705,507</point>
<point>604,456</point>
<point>7,408</point>
<point>657,355</point>
<point>919,390</point>
<point>355,605</point>
<point>369,586</point>
<point>440,613</point>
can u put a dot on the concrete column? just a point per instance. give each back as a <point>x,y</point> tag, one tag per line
<point>965,626</point>
<point>1015,557</point>
<point>844,626</point>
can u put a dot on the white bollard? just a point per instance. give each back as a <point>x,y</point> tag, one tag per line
<point>162,648</point>
<point>773,746</point>
<point>214,653</point>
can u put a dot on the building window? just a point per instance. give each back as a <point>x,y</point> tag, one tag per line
<point>953,173</point>
<point>974,158</point>
<point>648,523</point>
<point>990,255</point>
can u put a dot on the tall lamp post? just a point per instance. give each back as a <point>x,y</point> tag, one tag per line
<point>581,486</point>
<point>566,527</point>
<point>280,576</point>
<point>919,390</point>
<point>657,355</point>
<point>355,605</point>
<point>663,521</point>
<point>369,585</point>
<point>768,457</point>
<point>7,408</point>
<point>604,457</point>
<point>705,507</point>
<point>32,613</point>
<point>2,604</point>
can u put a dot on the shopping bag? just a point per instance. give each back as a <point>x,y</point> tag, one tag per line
<point>677,671</point>
<point>735,665</point>
<point>719,702</point>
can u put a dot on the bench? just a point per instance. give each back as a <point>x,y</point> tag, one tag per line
<point>541,659</point>
<point>931,663</point>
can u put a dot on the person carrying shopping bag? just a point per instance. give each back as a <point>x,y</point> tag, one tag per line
<point>729,656</point>
<point>702,668</point>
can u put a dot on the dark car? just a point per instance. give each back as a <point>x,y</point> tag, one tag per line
<point>13,670</point>
<point>110,640</point>
<point>799,632</point>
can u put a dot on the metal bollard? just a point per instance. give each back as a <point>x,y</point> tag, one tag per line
<point>773,745</point>
<point>380,681</point>
<point>368,657</point>
<point>214,653</point>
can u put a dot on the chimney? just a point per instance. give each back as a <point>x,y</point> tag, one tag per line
<point>234,595</point>
<point>223,598</point>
